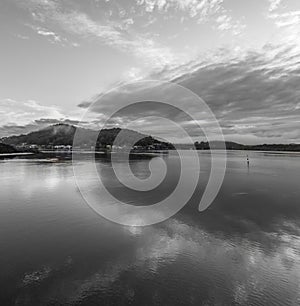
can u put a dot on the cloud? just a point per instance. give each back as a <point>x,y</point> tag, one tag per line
<point>20,116</point>
<point>201,11</point>
<point>24,111</point>
<point>84,104</point>
<point>54,37</point>
<point>246,89</point>
<point>114,34</point>
<point>255,96</point>
<point>35,125</point>
<point>115,27</point>
<point>127,23</point>
<point>194,8</point>
<point>225,23</point>
<point>274,4</point>
<point>50,121</point>
<point>24,37</point>
<point>286,19</point>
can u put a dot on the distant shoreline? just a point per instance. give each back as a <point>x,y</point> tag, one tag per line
<point>37,155</point>
<point>16,154</point>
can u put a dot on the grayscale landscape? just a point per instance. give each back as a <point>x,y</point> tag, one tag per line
<point>150,152</point>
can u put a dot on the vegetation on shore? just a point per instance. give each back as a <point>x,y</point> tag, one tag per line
<point>7,149</point>
<point>63,134</point>
<point>237,146</point>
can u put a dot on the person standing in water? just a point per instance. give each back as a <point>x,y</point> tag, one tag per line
<point>248,160</point>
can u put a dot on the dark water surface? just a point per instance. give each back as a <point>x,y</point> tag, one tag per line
<point>243,250</point>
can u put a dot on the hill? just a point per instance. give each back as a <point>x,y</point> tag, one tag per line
<point>4,149</point>
<point>63,134</point>
<point>230,145</point>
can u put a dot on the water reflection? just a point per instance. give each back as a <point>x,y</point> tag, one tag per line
<point>244,250</point>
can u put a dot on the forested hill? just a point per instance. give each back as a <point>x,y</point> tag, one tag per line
<point>237,146</point>
<point>63,134</point>
<point>4,149</point>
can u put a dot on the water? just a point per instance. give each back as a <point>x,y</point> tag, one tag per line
<point>243,250</point>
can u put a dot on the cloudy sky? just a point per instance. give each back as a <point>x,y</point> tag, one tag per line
<point>242,57</point>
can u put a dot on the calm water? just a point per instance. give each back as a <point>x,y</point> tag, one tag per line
<point>243,250</point>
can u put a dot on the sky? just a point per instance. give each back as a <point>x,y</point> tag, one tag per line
<point>242,57</point>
